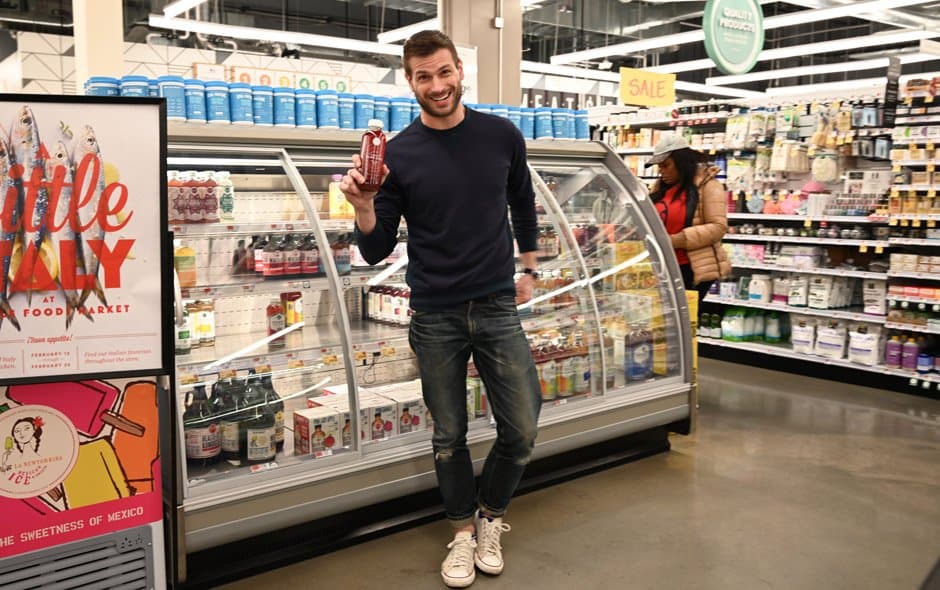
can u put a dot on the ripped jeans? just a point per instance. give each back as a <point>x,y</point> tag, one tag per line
<point>443,341</point>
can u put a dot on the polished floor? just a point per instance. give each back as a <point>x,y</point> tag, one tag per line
<point>789,483</point>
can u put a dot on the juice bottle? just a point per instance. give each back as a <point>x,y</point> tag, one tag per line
<point>184,333</point>
<point>184,261</point>
<point>202,430</point>
<point>339,206</point>
<point>227,402</point>
<point>309,257</point>
<point>372,153</point>
<point>273,401</point>
<point>276,322</point>
<point>292,257</point>
<point>259,254</point>
<point>192,201</point>
<point>226,194</point>
<point>210,198</point>
<point>258,430</point>
<point>176,212</point>
<point>205,323</point>
<point>249,267</point>
<point>341,255</point>
<point>274,259</point>
<point>909,353</point>
<point>240,259</point>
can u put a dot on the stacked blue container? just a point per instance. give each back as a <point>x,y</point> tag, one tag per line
<point>399,113</point>
<point>284,108</point>
<point>364,110</point>
<point>195,91</point>
<point>172,88</point>
<point>103,86</point>
<point>515,115</point>
<point>153,88</point>
<point>528,122</point>
<point>240,104</point>
<point>582,129</point>
<point>347,111</point>
<point>415,109</point>
<point>135,86</point>
<point>544,128</point>
<point>381,111</point>
<point>306,105</point>
<point>500,110</point>
<point>328,109</point>
<point>262,105</point>
<point>217,103</point>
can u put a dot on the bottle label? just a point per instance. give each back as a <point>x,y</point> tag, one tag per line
<point>310,262</point>
<point>347,436</point>
<point>279,426</point>
<point>229,436</point>
<point>274,264</point>
<point>292,262</point>
<point>378,429</point>
<point>206,325</point>
<point>276,323</point>
<point>177,211</point>
<point>203,443</point>
<point>227,203</point>
<point>260,259</point>
<point>194,204</point>
<point>261,443</point>
<point>210,205</point>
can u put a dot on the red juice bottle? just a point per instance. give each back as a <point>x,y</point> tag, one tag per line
<point>372,153</point>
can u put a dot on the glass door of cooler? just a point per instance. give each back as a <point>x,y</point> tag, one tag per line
<point>259,323</point>
<point>608,221</point>
<point>392,413</point>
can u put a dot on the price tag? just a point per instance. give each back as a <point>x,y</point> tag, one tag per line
<point>908,100</point>
<point>931,194</point>
<point>561,402</point>
<point>879,249</point>
<point>863,248</point>
<point>893,221</point>
<point>915,223</point>
<point>929,146</point>
<point>712,152</point>
<point>388,351</point>
<point>931,167</point>
<point>808,223</point>
<point>295,364</point>
<point>896,168</point>
<point>931,223</point>
<point>928,98</point>
<point>361,355</point>
<point>904,223</point>
<point>329,359</point>
<point>895,193</point>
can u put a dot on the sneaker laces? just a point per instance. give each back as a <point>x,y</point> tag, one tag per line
<point>461,554</point>
<point>490,535</point>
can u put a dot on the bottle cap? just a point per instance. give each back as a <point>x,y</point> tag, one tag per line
<point>376,123</point>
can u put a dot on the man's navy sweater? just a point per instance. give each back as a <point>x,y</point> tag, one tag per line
<point>453,188</point>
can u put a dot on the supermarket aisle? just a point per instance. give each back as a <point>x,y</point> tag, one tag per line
<point>790,483</point>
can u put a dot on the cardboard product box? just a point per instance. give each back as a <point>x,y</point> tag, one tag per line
<point>340,405</point>
<point>412,414</point>
<point>377,416</point>
<point>209,71</point>
<point>317,430</point>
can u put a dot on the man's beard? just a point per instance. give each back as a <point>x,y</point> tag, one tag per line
<point>429,107</point>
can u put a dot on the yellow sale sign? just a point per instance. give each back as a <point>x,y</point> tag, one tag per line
<point>642,88</point>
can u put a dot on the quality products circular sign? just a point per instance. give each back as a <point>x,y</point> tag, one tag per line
<point>734,34</point>
<point>40,447</point>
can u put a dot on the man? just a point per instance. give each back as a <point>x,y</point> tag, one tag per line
<point>451,175</point>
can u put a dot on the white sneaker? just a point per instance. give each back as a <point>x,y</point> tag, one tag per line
<point>489,553</point>
<point>457,570</point>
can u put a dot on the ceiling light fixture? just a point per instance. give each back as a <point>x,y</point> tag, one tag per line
<point>775,22</point>
<point>402,33</point>
<point>272,35</point>
<point>180,6</point>
<point>875,40</point>
<point>833,68</point>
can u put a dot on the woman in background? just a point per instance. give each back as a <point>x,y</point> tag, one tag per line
<point>691,203</point>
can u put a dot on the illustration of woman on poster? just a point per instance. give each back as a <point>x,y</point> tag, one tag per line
<point>26,435</point>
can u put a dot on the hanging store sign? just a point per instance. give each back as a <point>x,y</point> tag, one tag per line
<point>81,192</point>
<point>642,88</point>
<point>734,34</point>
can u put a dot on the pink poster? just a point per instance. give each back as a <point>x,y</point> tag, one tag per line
<point>79,459</point>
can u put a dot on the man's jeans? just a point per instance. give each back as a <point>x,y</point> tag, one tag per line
<point>443,341</point>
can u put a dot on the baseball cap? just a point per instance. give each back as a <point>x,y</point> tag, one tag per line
<point>668,144</point>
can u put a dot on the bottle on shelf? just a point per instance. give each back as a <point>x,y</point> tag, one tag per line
<point>201,430</point>
<point>276,323</point>
<point>909,352</point>
<point>184,261</point>
<point>210,197</point>
<point>225,190</point>
<point>638,353</point>
<point>205,322</point>
<point>341,255</point>
<point>274,258</point>
<point>176,198</point>
<point>193,201</point>
<point>258,427</point>
<point>184,333</point>
<point>292,257</point>
<point>259,252</point>
<point>273,400</point>
<point>228,404</point>
<point>309,257</point>
<point>240,259</point>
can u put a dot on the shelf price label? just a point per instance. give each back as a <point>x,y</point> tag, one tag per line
<point>931,223</point>
<point>915,223</point>
<point>879,249</point>
<point>863,248</point>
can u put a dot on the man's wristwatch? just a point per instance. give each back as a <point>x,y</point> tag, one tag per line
<point>531,271</point>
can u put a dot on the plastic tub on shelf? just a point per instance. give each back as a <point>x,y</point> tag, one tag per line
<point>195,92</point>
<point>327,109</point>
<point>284,107</point>
<point>262,105</point>
<point>380,109</point>
<point>173,89</point>
<point>306,106</point>
<point>364,110</point>
<point>135,86</point>
<point>347,111</point>
<point>103,86</point>
<point>218,111</point>
<point>240,104</point>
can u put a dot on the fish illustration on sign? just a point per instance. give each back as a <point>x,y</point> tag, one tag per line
<point>10,206</point>
<point>86,146</point>
<point>29,152</point>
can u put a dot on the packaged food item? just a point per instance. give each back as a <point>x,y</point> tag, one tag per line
<point>276,322</point>
<point>184,261</point>
<point>205,322</point>
<point>184,333</point>
<point>202,430</point>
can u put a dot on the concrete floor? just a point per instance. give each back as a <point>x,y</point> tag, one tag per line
<point>789,483</point>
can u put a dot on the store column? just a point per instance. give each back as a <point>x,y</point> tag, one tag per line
<point>99,39</point>
<point>494,27</point>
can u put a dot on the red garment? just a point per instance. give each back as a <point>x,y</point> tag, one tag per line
<point>672,210</point>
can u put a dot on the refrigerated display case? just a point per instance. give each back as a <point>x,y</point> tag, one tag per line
<point>297,344</point>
